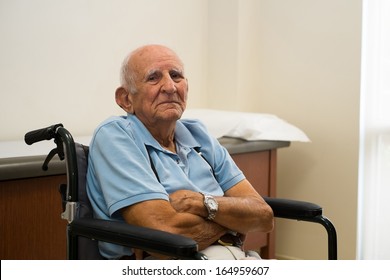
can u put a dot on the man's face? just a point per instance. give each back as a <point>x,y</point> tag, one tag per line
<point>161,86</point>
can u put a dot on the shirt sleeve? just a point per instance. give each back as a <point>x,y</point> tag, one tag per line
<point>121,169</point>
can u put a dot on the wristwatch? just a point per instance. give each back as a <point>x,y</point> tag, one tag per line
<point>211,205</point>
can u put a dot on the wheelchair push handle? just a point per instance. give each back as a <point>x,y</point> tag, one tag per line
<point>41,134</point>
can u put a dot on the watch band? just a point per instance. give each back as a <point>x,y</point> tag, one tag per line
<point>211,205</point>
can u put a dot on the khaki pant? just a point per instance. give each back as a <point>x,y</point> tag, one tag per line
<point>219,252</point>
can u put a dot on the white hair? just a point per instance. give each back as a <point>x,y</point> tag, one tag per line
<point>127,75</point>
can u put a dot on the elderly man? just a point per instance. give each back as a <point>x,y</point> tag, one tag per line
<point>152,169</point>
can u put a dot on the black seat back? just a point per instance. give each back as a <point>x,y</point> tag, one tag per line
<point>87,248</point>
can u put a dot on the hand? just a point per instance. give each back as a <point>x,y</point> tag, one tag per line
<point>185,201</point>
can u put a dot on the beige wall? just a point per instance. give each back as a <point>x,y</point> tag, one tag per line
<point>300,60</point>
<point>297,59</point>
<point>59,60</point>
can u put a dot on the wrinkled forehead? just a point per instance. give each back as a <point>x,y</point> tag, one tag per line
<point>153,58</point>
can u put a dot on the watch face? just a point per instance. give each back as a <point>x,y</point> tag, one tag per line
<point>213,204</point>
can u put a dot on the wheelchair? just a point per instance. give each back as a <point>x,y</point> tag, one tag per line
<point>84,231</point>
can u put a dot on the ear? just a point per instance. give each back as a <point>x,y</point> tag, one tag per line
<point>124,99</point>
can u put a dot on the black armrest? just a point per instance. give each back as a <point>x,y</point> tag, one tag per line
<point>305,211</point>
<point>136,237</point>
<point>293,209</point>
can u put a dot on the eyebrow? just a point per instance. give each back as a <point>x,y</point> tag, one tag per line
<point>154,71</point>
<point>151,72</point>
<point>178,70</point>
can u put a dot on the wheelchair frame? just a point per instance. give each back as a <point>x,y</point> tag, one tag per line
<point>144,238</point>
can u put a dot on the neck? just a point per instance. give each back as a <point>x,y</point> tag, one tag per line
<point>165,136</point>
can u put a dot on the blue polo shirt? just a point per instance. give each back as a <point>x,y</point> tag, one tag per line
<point>122,155</point>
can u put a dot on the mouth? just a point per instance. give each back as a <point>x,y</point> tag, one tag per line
<point>169,103</point>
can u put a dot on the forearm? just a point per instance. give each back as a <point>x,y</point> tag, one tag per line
<point>166,218</point>
<point>204,232</point>
<point>240,214</point>
<point>244,214</point>
<point>242,209</point>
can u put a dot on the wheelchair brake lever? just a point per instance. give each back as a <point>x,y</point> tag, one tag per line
<point>49,158</point>
<point>60,147</point>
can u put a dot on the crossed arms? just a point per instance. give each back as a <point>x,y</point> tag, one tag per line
<point>241,209</point>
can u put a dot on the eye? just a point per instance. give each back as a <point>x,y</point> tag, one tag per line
<point>153,77</point>
<point>176,75</point>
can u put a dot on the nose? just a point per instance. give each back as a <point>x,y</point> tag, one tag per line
<point>168,85</point>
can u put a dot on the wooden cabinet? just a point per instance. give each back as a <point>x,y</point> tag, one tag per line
<point>31,226</point>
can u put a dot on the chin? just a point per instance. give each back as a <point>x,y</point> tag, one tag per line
<point>170,114</point>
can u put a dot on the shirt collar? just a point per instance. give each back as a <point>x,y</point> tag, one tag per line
<point>182,135</point>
